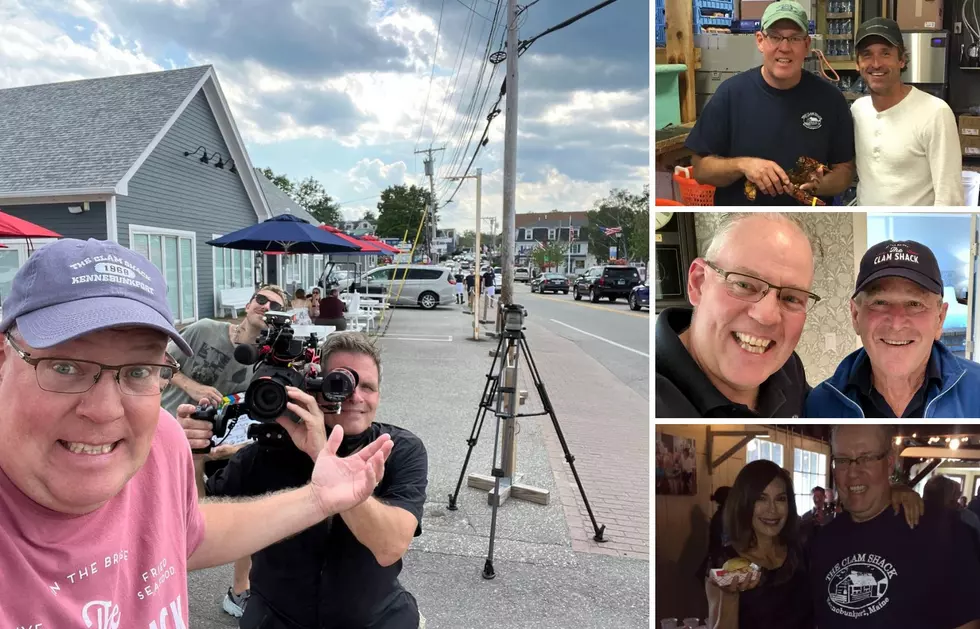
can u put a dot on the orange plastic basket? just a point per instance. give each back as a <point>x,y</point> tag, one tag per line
<point>666,202</point>
<point>692,192</point>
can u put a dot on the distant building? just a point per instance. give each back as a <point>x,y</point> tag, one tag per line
<point>359,228</point>
<point>446,242</point>
<point>539,228</point>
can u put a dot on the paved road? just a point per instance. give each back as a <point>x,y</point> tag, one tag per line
<point>611,333</point>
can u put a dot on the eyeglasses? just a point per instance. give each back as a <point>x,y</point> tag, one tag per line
<point>263,300</point>
<point>776,39</point>
<point>753,289</point>
<point>70,375</point>
<point>863,461</point>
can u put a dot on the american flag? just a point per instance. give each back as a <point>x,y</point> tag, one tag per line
<point>610,231</point>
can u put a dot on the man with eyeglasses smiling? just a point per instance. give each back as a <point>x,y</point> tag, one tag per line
<point>760,121</point>
<point>902,370</point>
<point>733,356</point>
<point>869,569</point>
<point>98,506</point>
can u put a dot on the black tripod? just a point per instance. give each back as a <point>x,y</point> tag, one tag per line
<point>513,343</point>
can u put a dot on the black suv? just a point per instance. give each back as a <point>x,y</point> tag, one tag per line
<point>610,281</point>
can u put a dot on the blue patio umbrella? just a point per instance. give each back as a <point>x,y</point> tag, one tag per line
<point>284,234</point>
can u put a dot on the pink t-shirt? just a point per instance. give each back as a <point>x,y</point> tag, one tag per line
<point>123,566</point>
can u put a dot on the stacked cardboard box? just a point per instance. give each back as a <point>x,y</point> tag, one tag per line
<point>970,135</point>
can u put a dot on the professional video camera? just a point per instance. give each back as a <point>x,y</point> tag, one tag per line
<point>281,360</point>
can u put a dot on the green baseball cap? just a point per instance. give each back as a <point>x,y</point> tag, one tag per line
<point>785,10</point>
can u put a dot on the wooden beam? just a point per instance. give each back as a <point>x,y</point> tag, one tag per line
<point>680,49</point>
<point>660,57</point>
<point>746,437</point>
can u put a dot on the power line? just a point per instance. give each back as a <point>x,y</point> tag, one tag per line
<point>522,48</point>
<point>457,67</point>
<point>557,27</point>
<point>474,11</point>
<point>432,73</point>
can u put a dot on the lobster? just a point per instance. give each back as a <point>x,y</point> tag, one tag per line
<point>805,166</point>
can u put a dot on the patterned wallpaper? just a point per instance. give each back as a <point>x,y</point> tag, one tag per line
<point>834,276</point>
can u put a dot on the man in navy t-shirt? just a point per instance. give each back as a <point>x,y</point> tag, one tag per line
<point>869,570</point>
<point>761,121</point>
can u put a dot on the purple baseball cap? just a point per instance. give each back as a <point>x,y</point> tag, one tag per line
<point>74,287</point>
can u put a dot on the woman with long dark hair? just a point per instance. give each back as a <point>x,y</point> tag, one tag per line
<point>762,526</point>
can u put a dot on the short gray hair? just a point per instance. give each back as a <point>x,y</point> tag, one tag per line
<point>351,343</point>
<point>887,432</point>
<point>730,219</point>
<point>875,287</point>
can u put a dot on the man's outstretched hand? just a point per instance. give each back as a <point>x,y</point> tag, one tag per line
<point>340,484</point>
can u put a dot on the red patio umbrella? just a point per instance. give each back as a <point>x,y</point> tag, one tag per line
<point>13,227</point>
<point>374,240</point>
<point>366,247</point>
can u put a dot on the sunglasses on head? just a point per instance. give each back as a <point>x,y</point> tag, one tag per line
<point>263,300</point>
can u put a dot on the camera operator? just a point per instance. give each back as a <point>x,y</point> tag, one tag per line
<point>98,506</point>
<point>209,375</point>
<point>342,572</point>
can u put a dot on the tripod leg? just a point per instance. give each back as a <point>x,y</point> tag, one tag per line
<point>471,443</point>
<point>489,390</point>
<point>488,571</point>
<point>546,402</point>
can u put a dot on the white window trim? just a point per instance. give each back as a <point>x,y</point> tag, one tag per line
<point>552,232</point>
<point>215,251</point>
<point>149,230</point>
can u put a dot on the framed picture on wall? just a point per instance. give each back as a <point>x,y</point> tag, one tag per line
<point>677,467</point>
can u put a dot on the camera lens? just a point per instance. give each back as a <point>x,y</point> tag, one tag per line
<point>266,399</point>
<point>339,384</point>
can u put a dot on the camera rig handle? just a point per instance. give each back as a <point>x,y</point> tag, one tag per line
<point>207,413</point>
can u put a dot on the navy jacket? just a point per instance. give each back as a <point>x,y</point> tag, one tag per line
<point>959,395</point>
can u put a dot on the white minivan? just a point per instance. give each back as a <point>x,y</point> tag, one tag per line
<point>424,285</point>
<point>522,274</point>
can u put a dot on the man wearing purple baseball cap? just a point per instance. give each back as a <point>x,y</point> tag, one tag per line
<point>902,370</point>
<point>98,501</point>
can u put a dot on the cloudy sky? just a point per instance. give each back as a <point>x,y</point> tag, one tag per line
<point>346,90</point>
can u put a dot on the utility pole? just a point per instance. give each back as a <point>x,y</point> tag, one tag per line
<point>493,230</point>
<point>430,173</point>
<point>476,261</point>
<point>510,158</point>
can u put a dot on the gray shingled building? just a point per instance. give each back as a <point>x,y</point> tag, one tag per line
<point>153,161</point>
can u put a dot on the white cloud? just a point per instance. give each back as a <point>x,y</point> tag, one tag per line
<point>374,174</point>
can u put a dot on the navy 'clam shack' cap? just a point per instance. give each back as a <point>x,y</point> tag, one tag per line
<point>71,288</point>
<point>903,258</point>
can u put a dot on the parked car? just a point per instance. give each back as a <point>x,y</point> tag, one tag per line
<point>424,285</point>
<point>639,297</point>
<point>521,274</point>
<point>550,283</point>
<point>611,281</point>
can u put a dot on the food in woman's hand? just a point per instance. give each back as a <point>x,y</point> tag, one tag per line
<point>737,569</point>
<point>737,564</point>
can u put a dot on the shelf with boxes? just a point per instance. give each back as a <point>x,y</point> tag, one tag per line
<point>970,135</point>
<point>660,23</point>
<point>716,14</point>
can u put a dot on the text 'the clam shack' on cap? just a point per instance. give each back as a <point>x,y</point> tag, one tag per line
<point>74,287</point>
<point>904,258</point>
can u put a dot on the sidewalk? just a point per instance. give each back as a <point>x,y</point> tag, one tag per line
<point>549,572</point>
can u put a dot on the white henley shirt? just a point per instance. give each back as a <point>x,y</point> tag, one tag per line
<point>908,154</point>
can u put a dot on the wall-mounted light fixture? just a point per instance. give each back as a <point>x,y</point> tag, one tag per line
<point>232,169</point>
<point>221,163</point>
<point>78,209</point>
<point>204,158</point>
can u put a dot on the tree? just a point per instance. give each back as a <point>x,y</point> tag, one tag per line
<point>468,239</point>
<point>313,197</point>
<point>551,255</point>
<point>309,194</point>
<point>282,181</point>
<point>631,212</point>
<point>369,216</point>
<point>400,210</point>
